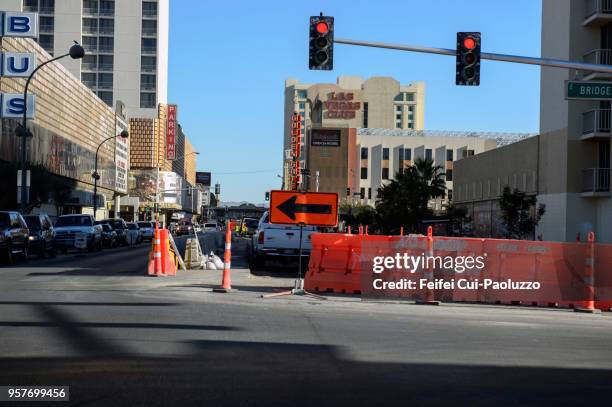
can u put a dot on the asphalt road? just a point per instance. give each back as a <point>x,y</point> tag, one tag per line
<point>119,338</point>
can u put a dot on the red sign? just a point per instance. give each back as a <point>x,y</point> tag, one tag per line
<point>341,105</point>
<point>307,208</point>
<point>171,133</point>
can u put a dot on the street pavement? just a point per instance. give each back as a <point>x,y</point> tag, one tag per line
<point>117,337</point>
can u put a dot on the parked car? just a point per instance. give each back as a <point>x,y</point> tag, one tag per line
<point>147,229</point>
<point>133,229</point>
<point>68,226</point>
<point>109,235</point>
<point>185,227</point>
<point>42,235</point>
<point>197,228</point>
<point>14,236</point>
<point>120,227</point>
<point>210,227</point>
<point>278,242</point>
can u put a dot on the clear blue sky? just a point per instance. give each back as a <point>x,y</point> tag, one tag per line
<point>229,60</point>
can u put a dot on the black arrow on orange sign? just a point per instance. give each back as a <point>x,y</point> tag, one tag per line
<point>290,207</point>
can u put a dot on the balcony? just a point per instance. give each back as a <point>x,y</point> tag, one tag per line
<point>107,30</point>
<point>149,13</point>
<point>47,28</point>
<point>598,13</point>
<point>105,49</point>
<point>147,87</point>
<point>148,68</point>
<point>90,48</point>
<point>105,85</point>
<point>105,67</point>
<point>90,84</point>
<point>600,57</point>
<point>90,12</point>
<point>149,32</point>
<point>596,125</point>
<point>107,12</point>
<point>88,66</point>
<point>148,50</point>
<point>596,182</point>
<point>90,30</point>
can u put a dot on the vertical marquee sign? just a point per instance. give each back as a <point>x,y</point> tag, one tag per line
<point>171,133</point>
<point>17,64</point>
<point>296,148</point>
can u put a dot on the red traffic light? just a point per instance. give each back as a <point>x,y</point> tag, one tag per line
<point>322,27</point>
<point>469,43</point>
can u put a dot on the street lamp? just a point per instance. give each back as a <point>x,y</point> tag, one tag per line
<point>76,52</point>
<point>124,134</point>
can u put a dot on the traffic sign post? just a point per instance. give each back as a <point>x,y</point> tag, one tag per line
<point>586,90</point>
<point>302,208</point>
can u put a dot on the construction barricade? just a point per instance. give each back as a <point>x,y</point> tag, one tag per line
<point>495,271</point>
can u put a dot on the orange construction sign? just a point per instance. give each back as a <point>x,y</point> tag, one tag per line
<point>307,208</point>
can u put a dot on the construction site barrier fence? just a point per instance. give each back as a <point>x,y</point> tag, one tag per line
<point>496,271</point>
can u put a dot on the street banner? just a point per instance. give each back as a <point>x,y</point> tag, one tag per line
<point>171,133</point>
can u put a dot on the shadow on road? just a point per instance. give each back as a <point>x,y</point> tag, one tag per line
<point>275,374</point>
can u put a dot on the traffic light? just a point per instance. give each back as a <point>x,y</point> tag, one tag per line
<point>321,45</point>
<point>468,59</point>
<point>267,196</point>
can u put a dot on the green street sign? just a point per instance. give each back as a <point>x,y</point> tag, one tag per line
<point>586,90</point>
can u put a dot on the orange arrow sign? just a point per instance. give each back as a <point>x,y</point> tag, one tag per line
<point>308,208</point>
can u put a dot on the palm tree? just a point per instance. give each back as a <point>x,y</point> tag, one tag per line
<point>403,201</point>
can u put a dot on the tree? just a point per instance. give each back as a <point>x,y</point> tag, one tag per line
<point>357,214</point>
<point>404,200</point>
<point>519,214</point>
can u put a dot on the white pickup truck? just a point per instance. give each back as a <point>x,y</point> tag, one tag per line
<point>278,242</point>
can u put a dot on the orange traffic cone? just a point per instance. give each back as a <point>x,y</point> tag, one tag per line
<point>226,283</point>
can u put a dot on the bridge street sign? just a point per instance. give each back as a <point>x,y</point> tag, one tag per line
<point>587,90</point>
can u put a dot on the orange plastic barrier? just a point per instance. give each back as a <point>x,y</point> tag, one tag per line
<point>574,275</point>
<point>155,263</point>
<point>168,264</point>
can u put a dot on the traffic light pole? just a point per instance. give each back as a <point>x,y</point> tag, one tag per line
<point>554,63</point>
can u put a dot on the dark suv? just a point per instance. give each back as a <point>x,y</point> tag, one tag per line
<point>42,235</point>
<point>120,227</point>
<point>14,235</point>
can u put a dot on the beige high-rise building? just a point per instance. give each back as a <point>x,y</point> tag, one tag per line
<point>352,102</point>
<point>574,158</point>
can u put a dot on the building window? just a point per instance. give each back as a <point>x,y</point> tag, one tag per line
<point>106,44</point>
<point>428,154</point>
<point>369,193</point>
<point>364,172</point>
<point>470,152</point>
<point>364,153</point>
<point>105,81</point>
<point>149,45</point>
<point>410,126</point>
<point>147,100</point>
<point>89,79</point>
<point>301,94</point>
<point>302,106</point>
<point>449,175</point>
<point>385,173</point>
<point>149,27</point>
<point>399,97</point>
<point>410,111</point>
<point>410,97</point>
<point>449,155</point>
<point>46,41</point>
<point>449,194</point>
<point>149,9</point>
<point>398,108</point>
<point>107,97</point>
<point>407,154</point>
<point>147,82</point>
<point>148,64</point>
<point>105,62</point>
<point>398,125</point>
<point>398,116</point>
<point>385,154</point>
<point>107,8</point>
<point>362,193</point>
<point>90,62</point>
<point>107,26</point>
<point>365,114</point>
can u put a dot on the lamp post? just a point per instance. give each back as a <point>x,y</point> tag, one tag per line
<point>76,52</point>
<point>95,175</point>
